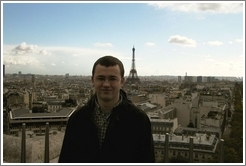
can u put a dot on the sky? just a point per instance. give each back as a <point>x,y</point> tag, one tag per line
<point>170,37</point>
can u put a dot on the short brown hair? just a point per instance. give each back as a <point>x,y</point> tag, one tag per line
<point>109,61</point>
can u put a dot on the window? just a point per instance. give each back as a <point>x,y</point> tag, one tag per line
<point>196,155</point>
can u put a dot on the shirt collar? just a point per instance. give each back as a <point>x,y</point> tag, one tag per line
<point>99,109</point>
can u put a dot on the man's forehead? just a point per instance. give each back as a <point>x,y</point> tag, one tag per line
<point>107,71</point>
<point>101,67</point>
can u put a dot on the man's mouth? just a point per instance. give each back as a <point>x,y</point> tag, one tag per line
<point>105,90</point>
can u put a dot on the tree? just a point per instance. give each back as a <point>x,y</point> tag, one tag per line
<point>69,103</point>
<point>190,125</point>
<point>230,155</point>
<point>38,110</point>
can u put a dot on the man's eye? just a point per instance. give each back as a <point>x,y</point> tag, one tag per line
<point>100,78</point>
<point>113,78</point>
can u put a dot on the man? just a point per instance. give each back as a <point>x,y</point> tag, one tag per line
<point>109,128</point>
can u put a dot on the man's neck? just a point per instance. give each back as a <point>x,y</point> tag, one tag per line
<point>107,106</point>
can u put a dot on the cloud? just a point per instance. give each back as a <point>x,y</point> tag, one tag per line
<point>205,56</point>
<point>149,44</point>
<point>23,48</point>
<point>214,43</point>
<point>72,59</point>
<point>6,52</point>
<point>201,7</point>
<point>239,40</point>
<point>19,60</point>
<point>230,42</point>
<point>103,45</point>
<point>44,52</point>
<point>182,40</point>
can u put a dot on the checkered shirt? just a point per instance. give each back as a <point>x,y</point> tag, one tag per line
<point>102,120</point>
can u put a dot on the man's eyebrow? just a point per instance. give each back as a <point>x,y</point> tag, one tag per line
<point>106,76</point>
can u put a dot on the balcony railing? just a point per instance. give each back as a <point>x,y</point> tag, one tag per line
<point>166,157</point>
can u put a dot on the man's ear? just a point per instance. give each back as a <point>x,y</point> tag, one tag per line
<point>123,80</point>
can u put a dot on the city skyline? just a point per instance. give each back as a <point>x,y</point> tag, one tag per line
<point>170,38</point>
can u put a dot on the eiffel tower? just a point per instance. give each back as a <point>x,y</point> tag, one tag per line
<point>133,77</point>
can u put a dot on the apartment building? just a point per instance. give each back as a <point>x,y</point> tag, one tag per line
<point>163,126</point>
<point>204,147</point>
<point>35,122</point>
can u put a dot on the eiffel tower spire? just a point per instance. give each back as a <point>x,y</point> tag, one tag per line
<point>133,77</point>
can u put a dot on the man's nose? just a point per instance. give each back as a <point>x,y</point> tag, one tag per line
<point>106,82</point>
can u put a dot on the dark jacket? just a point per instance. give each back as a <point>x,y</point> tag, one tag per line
<point>128,138</point>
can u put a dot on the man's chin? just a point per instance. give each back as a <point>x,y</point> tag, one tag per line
<point>106,98</point>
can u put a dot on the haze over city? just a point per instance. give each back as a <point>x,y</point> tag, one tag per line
<point>170,38</point>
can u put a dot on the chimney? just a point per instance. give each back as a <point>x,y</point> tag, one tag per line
<point>207,136</point>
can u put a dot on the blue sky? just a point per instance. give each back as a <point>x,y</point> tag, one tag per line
<point>170,38</point>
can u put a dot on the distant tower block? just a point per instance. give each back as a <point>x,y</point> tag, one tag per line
<point>133,77</point>
<point>33,81</point>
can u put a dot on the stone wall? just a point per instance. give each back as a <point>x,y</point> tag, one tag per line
<point>34,148</point>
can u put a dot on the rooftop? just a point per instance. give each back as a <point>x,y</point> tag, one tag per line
<point>22,113</point>
<point>199,138</point>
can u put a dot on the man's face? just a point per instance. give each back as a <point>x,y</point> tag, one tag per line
<point>107,82</point>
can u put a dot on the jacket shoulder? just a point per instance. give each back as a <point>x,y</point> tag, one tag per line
<point>133,111</point>
<point>80,112</point>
